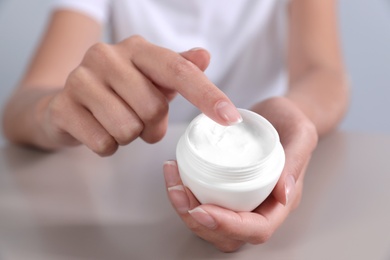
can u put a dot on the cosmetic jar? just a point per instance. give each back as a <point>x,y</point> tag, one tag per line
<point>235,167</point>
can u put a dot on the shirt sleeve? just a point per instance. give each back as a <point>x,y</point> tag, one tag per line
<point>97,9</point>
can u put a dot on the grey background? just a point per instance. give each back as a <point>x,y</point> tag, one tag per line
<point>365,34</point>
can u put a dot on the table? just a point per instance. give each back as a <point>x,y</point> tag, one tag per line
<point>75,205</point>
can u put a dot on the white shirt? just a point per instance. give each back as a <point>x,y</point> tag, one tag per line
<point>246,39</point>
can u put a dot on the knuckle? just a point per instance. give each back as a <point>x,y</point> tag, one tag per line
<point>129,132</point>
<point>135,39</point>
<point>156,111</point>
<point>99,53</point>
<point>77,78</point>
<point>154,120</point>
<point>105,146</point>
<point>261,238</point>
<point>99,49</point>
<point>133,42</point>
<point>155,135</point>
<point>136,127</point>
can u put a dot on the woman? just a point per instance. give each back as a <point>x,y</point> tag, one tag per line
<point>279,58</point>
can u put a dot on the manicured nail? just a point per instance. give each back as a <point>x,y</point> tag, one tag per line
<point>170,175</point>
<point>179,198</point>
<point>289,187</point>
<point>228,113</point>
<point>203,218</point>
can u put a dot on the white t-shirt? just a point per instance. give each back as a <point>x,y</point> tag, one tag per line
<point>246,39</point>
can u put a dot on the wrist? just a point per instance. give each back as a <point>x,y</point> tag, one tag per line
<point>287,118</point>
<point>24,118</point>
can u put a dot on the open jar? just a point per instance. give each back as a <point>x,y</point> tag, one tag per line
<point>235,167</point>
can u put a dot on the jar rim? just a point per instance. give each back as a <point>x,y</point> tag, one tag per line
<point>248,116</point>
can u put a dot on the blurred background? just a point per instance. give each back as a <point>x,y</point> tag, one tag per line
<point>365,35</point>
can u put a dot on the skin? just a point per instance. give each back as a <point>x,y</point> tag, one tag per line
<point>104,96</point>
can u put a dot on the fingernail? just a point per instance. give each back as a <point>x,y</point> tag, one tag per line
<point>170,176</point>
<point>179,198</point>
<point>289,187</point>
<point>228,113</point>
<point>203,218</point>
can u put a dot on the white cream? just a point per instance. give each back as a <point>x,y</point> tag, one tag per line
<point>231,146</point>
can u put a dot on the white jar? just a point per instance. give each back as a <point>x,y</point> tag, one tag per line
<point>235,167</point>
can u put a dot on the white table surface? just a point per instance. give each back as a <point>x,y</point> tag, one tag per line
<point>76,205</point>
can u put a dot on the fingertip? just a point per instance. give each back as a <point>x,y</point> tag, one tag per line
<point>170,163</point>
<point>200,50</point>
<point>228,113</point>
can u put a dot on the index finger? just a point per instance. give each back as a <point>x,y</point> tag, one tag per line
<point>170,70</point>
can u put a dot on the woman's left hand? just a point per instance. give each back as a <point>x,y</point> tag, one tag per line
<point>228,230</point>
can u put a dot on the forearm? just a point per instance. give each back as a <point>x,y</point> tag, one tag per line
<point>322,95</point>
<point>317,86</point>
<point>24,116</point>
<point>68,36</point>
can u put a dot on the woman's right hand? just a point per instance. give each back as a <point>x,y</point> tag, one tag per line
<point>122,91</point>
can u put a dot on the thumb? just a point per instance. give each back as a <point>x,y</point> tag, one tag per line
<point>198,56</point>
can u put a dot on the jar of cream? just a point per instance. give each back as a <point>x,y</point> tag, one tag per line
<point>235,167</point>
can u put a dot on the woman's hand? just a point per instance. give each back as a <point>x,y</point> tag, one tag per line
<point>121,91</point>
<point>105,95</point>
<point>228,230</point>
